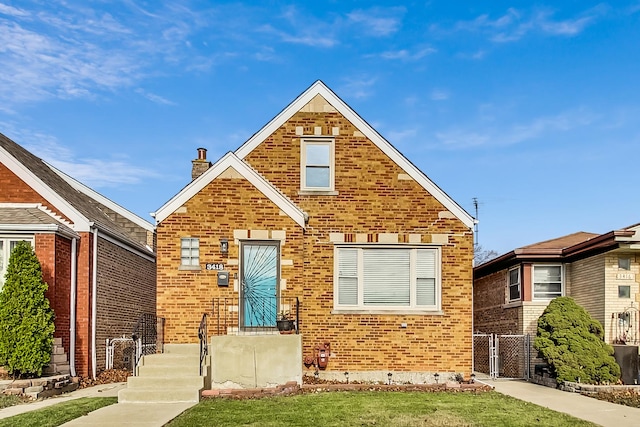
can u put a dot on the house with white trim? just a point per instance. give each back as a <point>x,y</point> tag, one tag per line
<point>319,218</point>
<point>97,257</point>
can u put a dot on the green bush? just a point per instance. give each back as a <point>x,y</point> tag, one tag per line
<point>572,343</point>
<point>26,320</point>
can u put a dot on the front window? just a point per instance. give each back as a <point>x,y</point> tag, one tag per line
<point>514,284</point>
<point>387,278</point>
<point>189,251</point>
<point>547,281</point>
<point>317,164</point>
<point>6,246</point>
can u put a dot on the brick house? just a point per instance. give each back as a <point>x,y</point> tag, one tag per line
<point>599,271</point>
<point>317,208</point>
<point>97,257</point>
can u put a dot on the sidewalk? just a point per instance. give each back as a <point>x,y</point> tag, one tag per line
<point>130,414</point>
<point>587,408</point>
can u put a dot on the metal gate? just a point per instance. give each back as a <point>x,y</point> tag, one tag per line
<point>505,356</point>
<point>145,336</point>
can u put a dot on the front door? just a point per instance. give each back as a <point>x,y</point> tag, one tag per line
<point>260,270</point>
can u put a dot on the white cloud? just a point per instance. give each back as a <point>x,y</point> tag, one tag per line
<point>377,21</point>
<point>439,95</point>
<point>154,98</point>
<point>407,55</point>
<point>515,24</point>
<point>358,87</point>
<point>12,11</point>
<point>516,133</point>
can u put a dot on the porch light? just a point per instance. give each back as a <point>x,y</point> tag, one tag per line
<point>224,246</point>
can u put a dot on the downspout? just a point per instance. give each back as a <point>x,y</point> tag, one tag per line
<point>94,301</point>
<point>72,308</point>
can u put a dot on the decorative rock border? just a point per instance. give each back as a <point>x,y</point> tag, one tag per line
<point>37,388</point>
<point>292,387</point>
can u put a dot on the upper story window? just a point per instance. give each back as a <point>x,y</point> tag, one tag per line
<point>547,281</point>
<point>6,246</point>
<point>189,252</point>
<point>317,164</point>
<point>624,263</point>
<point>514,284</point>
<point>387,278</point>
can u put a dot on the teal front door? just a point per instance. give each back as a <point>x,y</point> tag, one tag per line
<point>259,293</point>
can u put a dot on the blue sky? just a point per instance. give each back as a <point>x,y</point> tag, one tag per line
<point>532,108</point>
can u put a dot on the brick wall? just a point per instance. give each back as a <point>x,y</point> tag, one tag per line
<point>374,196</point>
<point>491,313</point>
<point>125,290</point>
<point>585,282</point>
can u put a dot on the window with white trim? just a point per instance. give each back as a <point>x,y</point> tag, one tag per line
<point>514,284</point>
<point>189,251</point>
<point>6,246</point>
<point>317,159</point>
<point>547,281</point>
<point>387,278</point>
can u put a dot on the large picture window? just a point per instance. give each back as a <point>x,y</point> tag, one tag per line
<point>317,164</point>
<point>387,278</point>
<point>547,281</point>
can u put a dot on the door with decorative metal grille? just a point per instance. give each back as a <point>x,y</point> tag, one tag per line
<point>259,281</point>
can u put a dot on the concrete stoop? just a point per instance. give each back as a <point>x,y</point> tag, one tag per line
<point>173,376</point>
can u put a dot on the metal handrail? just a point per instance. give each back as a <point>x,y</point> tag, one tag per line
<point>202,336</point>
<point>235,316</point>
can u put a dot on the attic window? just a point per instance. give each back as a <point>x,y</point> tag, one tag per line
<point>317,164</point>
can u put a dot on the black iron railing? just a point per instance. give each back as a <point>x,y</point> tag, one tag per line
<point>202,336</point>
<point>145,336</point>
<point>237,316</point>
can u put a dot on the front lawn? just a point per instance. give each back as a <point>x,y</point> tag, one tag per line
<point>375,409</point>
<point>58,414</point>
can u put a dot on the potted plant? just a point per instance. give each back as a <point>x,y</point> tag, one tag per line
<point>285,324</point>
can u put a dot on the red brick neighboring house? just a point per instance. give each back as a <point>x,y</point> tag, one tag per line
<point>599,271</point>
<point>97,257</point>
<point>318,206</point>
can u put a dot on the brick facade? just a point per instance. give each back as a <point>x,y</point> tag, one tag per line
<point>375,200</point>
<point>126,281</point>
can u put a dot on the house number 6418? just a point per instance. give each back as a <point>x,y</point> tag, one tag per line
<point>215,266</point>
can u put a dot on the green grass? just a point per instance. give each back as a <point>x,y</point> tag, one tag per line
<point>56,415</point>
<point>404,409</point>
<point>7,400</point>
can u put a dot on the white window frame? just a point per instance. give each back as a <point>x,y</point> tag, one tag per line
<point>191,265</point>
<point>511,285</point>
<point>323,141</point>
<point>412,307</point>
<point>5,251</point>
<point>533,282</point>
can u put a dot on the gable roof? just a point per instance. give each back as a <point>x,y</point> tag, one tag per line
<point>230,160</point>
<point>319,88</point>
<point>78,203</point>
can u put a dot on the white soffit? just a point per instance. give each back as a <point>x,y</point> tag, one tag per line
<point>80,222</point>
<point>227,161</point>
<point>319,88</point>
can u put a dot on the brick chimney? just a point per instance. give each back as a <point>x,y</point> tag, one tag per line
<point>200,165</point>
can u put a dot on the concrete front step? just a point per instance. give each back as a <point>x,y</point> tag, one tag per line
<point>165,359</point>
<point>165,381</point>
<point>154,395</point>
<point>168,371</point>
<point>193,349</point>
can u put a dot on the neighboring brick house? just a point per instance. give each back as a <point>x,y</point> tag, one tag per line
<point>318,206</point>
<point>97,257</point>
<point>599,271</point>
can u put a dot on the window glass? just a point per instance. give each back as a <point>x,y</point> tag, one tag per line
<point>386,278</point>
<point>624,291</point>
<point>547,281</point>
<point>624,263</point>
<point>318,177</point>
<point>514,284</point>
<point>318,154</point>
<point>189,251</point>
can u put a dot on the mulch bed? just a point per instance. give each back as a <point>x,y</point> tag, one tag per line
<point>628,397</point>
<point>105,377</point>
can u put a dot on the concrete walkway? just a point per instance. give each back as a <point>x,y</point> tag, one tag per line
<point>129,414</point>
<point>587,408</point>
